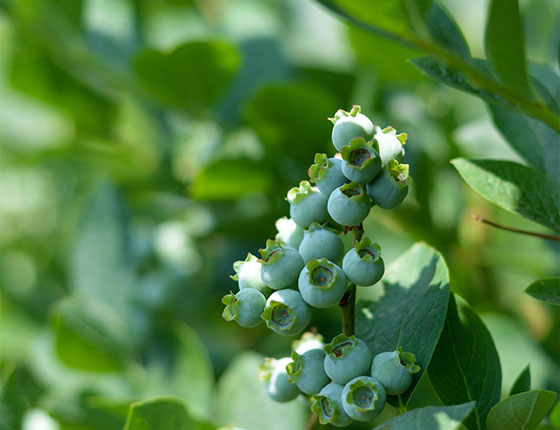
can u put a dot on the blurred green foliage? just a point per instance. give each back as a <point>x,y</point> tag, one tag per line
<point>146,145</point>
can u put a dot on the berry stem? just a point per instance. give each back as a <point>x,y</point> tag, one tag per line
<point>516,230</point>
<point>313,422</point>
<point>348,302</point>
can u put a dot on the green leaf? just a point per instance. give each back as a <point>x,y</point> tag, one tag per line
<point>163,413</point>
<point>465,365</point>
<point>522,411</point>
<point>505,46</point>
<point>231,179</point>
<point>243,401</point>
<point>555,416</point>
<point>412,311</point>
<point>445,31</point>
<point>430,418</point>
<point>191,77</point>
<point>519,189</point>
<point>547,290</point>
<point>522,383</point>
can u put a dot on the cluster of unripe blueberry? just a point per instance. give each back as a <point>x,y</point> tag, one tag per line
<point>299,270</point>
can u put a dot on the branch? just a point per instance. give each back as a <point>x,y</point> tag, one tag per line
<point>516,230</point>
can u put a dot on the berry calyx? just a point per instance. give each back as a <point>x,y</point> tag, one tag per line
<point>349,125</point>
<point>363,398</point>
<point>361,162</point>
<point>245,307</point>
<point>390,187</point>
<point>280,265</point>
<point>326,174</point>
<point>327,405</point>
<point>349,205</point>
<point>286,313</point>
<point>307,205</point>
<point>347,357</point>
<point>394,369</point>
<point>363,264</point>
<point>307,371</point>
<point>322,283</point>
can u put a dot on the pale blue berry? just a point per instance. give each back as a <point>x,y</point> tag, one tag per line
<point>390,187</point>
<point>286,313</point>
<point>248,274</point>
<point>349,125</point>
<point>394,370</point>
<point>245,307</point>
<point>320,242</point>
<point>289,233</point>
<point>307,371</point>
<point>278,386</point>
<point>309,340</point>
<point>349,205</point>
<point>280,265</point>
<point>347,357</point>
<point>363,264</point>
<point>363,398</point>
<point>322,283</point>
<point>389,144</point>
<point>307,205</point>
<point>361,162</point>
<point>327,174</point>
<point>327,405</point>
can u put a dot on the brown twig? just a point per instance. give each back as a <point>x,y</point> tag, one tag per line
<point>516,230</point>
<point>313,422</point>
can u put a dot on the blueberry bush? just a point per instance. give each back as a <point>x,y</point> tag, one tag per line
<point>396,267</point>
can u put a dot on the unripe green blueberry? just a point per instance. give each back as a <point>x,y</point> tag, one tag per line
<point>245,307</point>
<point>347,357</point>
<point>390,187</point>
<point>361,162</point>
<point>394,370</point>
<point>349,205</point>
<point>327,405</point>
<point>286,313</point>
<point>289,233</point>
<point>307,371</point>
<point>326,174</point>
<point>389,144</point>
<point>349,125</point>
<point>363,264</point>
<point>248,274</point>
<point>320,242</point>
<point>278,386</point>
<point>307,205</point>
<point>309,340</point>
<point>363,398</point>
<point>322,283</point>
<point>280,265</point>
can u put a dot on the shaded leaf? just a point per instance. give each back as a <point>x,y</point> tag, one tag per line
<point>412,311</point>
<point>465,365</point>
<point>444,30</point>
<point>522,411</point>
<point>519,189</point>
<point>430,418</point>
<point>522,383</point>
<point>547,290</point>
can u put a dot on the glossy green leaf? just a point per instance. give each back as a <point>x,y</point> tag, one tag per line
<point>444,30</point>
<point>231,179</point>
<point>163,413</point>
<point>505,46</point>
<point>243,401</point>
<point>547,290</point>
<point>412,311</point>
<point>192,77</point>
<point>522,411</point>
<point>519,189</point>
<point>466,351</point>
<point>430,418</point>
<point>555,416</point>
<point>522,383</point>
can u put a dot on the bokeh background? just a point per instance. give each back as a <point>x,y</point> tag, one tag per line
<point>147,145</point>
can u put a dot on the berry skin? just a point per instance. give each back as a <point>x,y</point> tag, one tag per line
<point>327,174</point>
<point>394,370</point>
<point>363,398</point>
<point>309,340</point>
<point>320,242</point>
<point>289,233</point>
<point>363,264</point>
<point>347,357</point>
<point>361,161</point>
<point>307,371</point>
<point>278,386</point>
<point>307,205</point>
<point>390,187</point>
<point>248,274</point>
<point>349,125</point>
<point>327,405</point>
<point>286,313</point>
<point>389,144</point>
<point>280,265</point>
<point>349,205</point>
<point>245,307</point>
<point>322,283</point>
